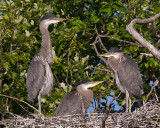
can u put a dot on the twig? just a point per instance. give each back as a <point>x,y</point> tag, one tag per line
<point>148,55</point>
<point>100,39</point>
<point>19,100</point>
<point>156,96</point>
<point>114,98</point>
<point>128,42</point>
<point>59,84</point>
<point>94,45</point>
<point>95,48</point>
<point>154,30</point>
<point>68,63</point>
<point>108,110</point>
<point>23,107</point>
<point>105,70</point>
<point>11,49</point>
<point>154,85</point>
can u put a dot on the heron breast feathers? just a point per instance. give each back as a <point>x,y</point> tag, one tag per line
<point>48,83</point>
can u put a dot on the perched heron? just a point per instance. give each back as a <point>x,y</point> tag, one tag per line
<point>39,75</point>
<point>127,75</point>
<point>77,102</point>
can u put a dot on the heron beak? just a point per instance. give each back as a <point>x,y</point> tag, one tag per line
<point>105,55</point>
<point>59,19</point>
<point>92,84</point>
<point>97,82</point>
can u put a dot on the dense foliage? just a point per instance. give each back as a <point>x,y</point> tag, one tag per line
<point>74,58</point>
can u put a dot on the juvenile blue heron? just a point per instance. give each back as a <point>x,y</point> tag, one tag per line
<point>127,75</point>
<point>39,75</point>
<point>77,102</point>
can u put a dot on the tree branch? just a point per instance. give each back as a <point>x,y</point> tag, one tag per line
<point>95,48</point>
<point>19,100</point>
<point>128,42</point>
<point>108,110</point>
<point>147,55</point>
<point>104,70</point>
<point>154,85</point>
<point>59,84</point>
<point>139,38</point>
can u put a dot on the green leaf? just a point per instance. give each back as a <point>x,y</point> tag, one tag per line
<point>63,86</point>
<point>6,65</point>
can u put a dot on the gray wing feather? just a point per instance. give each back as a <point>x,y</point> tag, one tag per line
<point>129,76</point>
<point>35,79</point>
<point>70,105</point>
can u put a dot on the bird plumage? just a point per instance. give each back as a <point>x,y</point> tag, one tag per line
<point>129,76</point>
<point>126,72</point>
<point>72,104</point>
<point>77,102</point>
<point>39,75</point>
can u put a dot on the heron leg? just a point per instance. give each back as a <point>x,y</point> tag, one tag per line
<point>130,104</point>
<point>39,102</point>
<point>127,96</point>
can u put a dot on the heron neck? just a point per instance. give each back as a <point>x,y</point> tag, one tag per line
<point>113,63</point>
<point>46,46</point>
<point>84,92</point>
<point>87,96</point>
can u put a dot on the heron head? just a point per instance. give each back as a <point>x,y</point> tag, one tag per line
<point>50,18</point>
<point>86,84</point>
<point>113,52</point>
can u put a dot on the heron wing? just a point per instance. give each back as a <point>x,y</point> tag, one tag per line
<point>129,75</point>
<point>70,105</point>
<point>35,78</point>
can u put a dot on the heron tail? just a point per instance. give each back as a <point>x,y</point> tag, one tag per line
<point>139,101</point>
<point>137,104</point>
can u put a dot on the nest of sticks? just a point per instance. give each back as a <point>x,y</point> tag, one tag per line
<point>146,116</point>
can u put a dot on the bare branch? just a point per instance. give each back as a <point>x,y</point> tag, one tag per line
<point>147,55</point>
<point>98,39</point>
<point>139,38</point>
<point>68,64</point>
<point>154,29</point>
<point>128,42</point>
<point>114,98</point>
<point>95,48</point>
<point>154,85</point>
<point>19,100</point>
<point>104,70</point>
<point>59,84</point>
<point>106,113</point>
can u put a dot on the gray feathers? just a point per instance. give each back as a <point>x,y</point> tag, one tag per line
<point>76,102</point>
<point>48,16</point>
<point>126,72</point>
<point>129,76</point>
<point>37,76</point>
<point>70,104</point>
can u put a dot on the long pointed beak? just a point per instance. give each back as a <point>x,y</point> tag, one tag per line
<point>92,84</point>
<point>97,82</point>
<point>105,55</point>
<point>59,19</point>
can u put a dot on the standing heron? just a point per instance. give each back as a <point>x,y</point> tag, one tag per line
<point>77,102</point>
<point>39,75</point>
<point>127,75</point>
